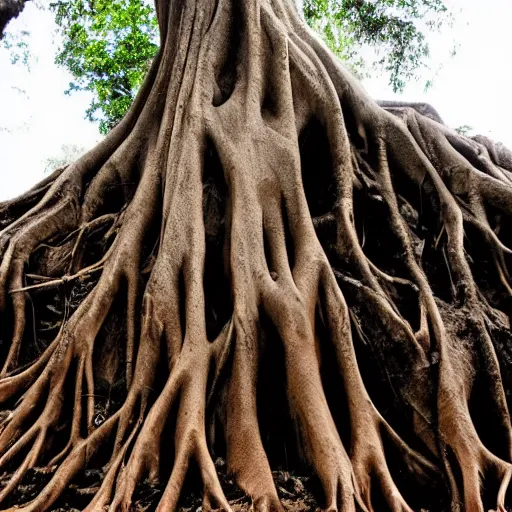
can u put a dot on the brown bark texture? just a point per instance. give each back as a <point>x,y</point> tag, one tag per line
<point>263,264</point>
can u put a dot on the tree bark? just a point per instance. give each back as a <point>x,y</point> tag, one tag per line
<point>258,245</point>
<point>9,9</point>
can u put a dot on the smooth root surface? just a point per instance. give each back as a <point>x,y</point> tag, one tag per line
<point>258,235</point>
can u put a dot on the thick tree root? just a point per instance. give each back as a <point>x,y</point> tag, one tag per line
<point>256,208</point>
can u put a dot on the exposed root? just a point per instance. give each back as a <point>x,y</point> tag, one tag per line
<point>260,250</point>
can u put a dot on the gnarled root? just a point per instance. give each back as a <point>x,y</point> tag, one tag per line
<point>255,201</point>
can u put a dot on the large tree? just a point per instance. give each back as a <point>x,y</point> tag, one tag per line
<point>260,259</point>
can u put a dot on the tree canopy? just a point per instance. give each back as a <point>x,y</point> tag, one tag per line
<point>108,45</point>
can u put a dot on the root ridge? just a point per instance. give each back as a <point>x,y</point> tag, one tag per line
<point>253,206</point>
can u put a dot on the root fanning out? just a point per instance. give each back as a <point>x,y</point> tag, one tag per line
<point>260,259</point>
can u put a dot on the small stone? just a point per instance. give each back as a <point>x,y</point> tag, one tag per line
<point>298,486</point>
<point>99,419</point>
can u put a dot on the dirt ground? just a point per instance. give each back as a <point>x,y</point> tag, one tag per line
<point>297,493</point>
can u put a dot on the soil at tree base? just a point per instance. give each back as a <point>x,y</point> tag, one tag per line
<point>297,493</point>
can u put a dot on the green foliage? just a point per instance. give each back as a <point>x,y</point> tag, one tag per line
<point>109,43</point>
<point>465,129</point>
<point>394,29</point>
<point>107,47</point>
<point>17,46</point>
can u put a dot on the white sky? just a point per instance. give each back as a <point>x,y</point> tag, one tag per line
<point>473,88</point>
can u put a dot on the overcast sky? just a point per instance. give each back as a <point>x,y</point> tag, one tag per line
<point>36,117</point>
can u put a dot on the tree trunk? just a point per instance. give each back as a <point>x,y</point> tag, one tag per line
<point>9,9</point>
<point>259,249</point>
